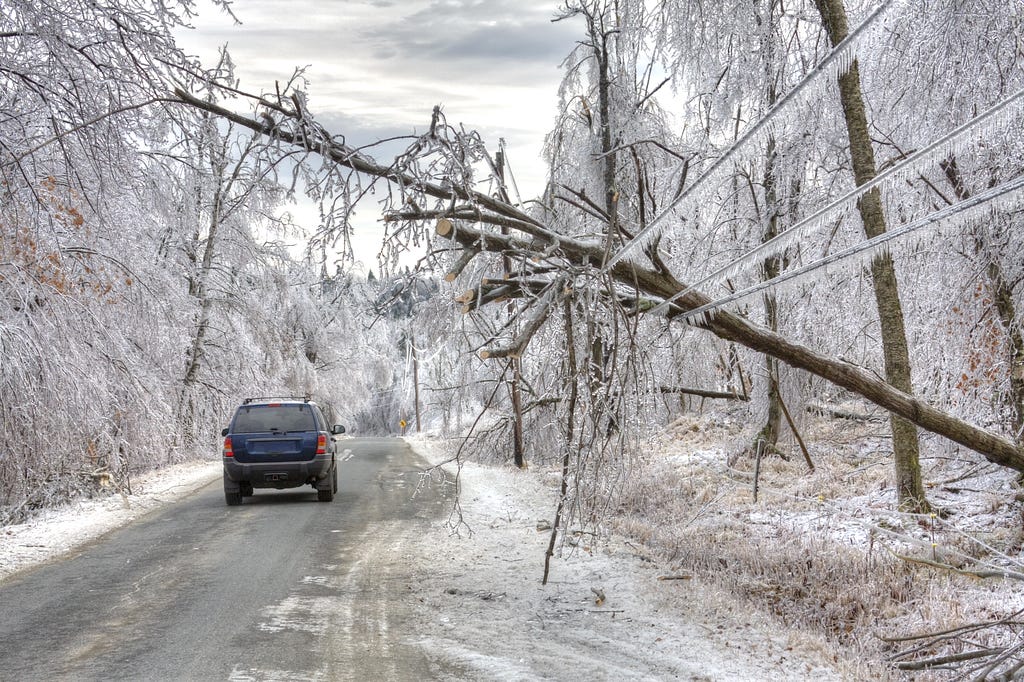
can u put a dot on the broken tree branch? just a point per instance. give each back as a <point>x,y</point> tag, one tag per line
<point>703,393</point>
<point>544,244</point>
<point>554,295</point>
<point>459,265</point>
<point>995,573</point>
<point>796,433</point>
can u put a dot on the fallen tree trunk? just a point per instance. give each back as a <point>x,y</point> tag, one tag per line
<point>702,393</point>
<point>732,327</point>
<point>301,131</point>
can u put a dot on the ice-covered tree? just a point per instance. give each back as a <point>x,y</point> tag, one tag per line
<point>144,283</point>
<point>437,184</point>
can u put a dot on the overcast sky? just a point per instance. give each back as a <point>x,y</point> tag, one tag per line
<point>378,67</point>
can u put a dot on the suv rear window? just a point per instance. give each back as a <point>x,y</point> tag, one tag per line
<point>264,418</point>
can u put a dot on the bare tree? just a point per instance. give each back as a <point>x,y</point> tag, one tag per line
<point>906,454</point>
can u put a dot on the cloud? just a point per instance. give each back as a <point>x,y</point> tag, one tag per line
<point>377,67</point>
<point>523,44</point>
<point>485,35</point>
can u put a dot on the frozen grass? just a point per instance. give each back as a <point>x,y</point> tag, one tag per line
<point>824,551</point>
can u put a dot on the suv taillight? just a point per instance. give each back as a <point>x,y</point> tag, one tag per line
<point>228,451</point>
<point>321,444</point>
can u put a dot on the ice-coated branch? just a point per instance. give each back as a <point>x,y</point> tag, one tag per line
<point>555,293</point>
<point>465,258</point>
<point>307,136</point>
<point>837,61</point>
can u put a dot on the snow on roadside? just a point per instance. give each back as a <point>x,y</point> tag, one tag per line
<point>480,607</point>
<point>55,532</point>
<point>827,548</point>
<point>483,608</point>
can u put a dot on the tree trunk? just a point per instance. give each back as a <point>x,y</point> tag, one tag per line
<point>1008,316</point>
<point>416,383</point>
<point>518,448</point>
<point>768,437</point>
<point>909,487</point>
<point>199,288</point>
<point>599,353</point>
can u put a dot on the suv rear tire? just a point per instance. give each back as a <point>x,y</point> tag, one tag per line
<point>326,495</point>
<point>233,498</point>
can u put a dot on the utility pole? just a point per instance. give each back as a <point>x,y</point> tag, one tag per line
<point>517,398</point>
<point>415,379</point>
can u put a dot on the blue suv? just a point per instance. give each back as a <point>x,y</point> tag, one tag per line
<point>279,443</point>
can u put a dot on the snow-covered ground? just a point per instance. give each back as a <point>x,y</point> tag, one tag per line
<point>700,582</point>
<point>484,608</point>
<point>481,606</point>
<point>826,549</point>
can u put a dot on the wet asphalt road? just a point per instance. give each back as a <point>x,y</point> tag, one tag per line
<point>281,588</point>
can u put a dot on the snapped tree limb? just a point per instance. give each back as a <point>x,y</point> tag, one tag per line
<point>555,293</point>
<point>731,327</point>
<point>464,260</point>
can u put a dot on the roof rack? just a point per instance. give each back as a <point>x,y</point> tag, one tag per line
<point>303,398</point>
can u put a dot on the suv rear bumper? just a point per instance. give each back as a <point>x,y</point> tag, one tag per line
<point>276,474</point>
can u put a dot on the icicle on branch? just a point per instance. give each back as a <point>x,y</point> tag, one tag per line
<point>838,61</point>
<point>957,213</point>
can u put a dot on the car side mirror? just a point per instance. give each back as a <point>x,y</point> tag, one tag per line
<point>223,432</point>
<point>337,428</point>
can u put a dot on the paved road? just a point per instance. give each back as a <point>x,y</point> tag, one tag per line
<point>281,588</point>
